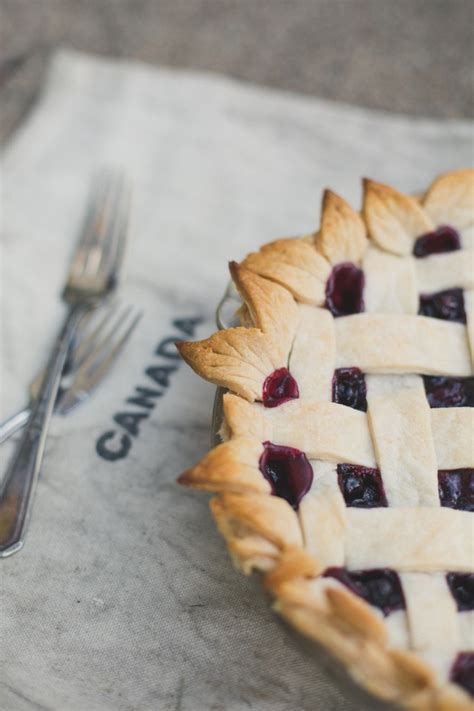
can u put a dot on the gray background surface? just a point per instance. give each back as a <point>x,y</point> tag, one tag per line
<point>412,56</point>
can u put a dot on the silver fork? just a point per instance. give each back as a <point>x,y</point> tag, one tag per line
<point>91,357</point>
<point>92,276</point>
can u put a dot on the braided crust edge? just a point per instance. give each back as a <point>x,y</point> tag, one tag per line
<point>263,532</point>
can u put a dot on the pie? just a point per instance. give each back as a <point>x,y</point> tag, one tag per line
<point>346,471</point>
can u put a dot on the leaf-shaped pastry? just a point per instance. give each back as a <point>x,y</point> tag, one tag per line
<point>232,466</point>
<point>450,199</point>
<point>270,306</point>
<point>353,577</point>
<point>296,265</point>
<point>394,220</point>
<point>342,237</point>
<point>239,359</point>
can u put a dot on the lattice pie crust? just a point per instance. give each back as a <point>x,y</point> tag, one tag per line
<point>386,298</point>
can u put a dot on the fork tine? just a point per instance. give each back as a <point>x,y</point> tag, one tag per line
<point>103,343</point>
<point>96,199</point>
<point>88,284</point>
<point>81,345</point>
<point>112,253</point>
<point>98,363</point>
<point>95,205</point>
<point>105,215</point>
<point>122,237</point>
<point>87,340</point>
<point>97,369</point>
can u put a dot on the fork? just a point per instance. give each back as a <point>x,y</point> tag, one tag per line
<point>92,277</point>
<point>90,359</point>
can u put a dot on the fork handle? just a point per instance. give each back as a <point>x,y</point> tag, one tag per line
<point>16,494</point>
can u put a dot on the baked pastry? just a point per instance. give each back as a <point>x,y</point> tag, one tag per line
<point>346,472</point>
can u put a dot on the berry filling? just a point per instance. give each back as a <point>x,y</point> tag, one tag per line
<point>443,239</point>
<point>361,487</point>
<point>379,587</point>
<point>462,671</point>
<point>447,305</point>
<point>449,392</point>
<point>279,387</point>
<point>456,488</point>
<point>344,290</point>
<point>462,589</point>
<point>348,388</point>
<point>288,471</point>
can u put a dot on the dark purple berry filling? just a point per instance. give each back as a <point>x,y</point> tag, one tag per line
<point>379,587</point>
<point>443,239</point>
<point>462,671</point>
<point>361,486</point>
<point>279,387</point>
<point>288,471</point>
<point>449,392</point>
<point>447,305</point>
<point>344,290</point>
<point>462,589</point>
<point>456,488</point>
<point>348,388</point>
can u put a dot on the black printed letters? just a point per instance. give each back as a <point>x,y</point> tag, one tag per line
<point>116,443</point>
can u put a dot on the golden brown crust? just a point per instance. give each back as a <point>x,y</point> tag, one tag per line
<point>262,531</point>
<point>271,307</point>
<point>349,628</point>
<point>446,698</point>
<point>239,359</point>
<point>450,198</point>
<point>342,237</point>
<point>268,516</point>
<point>393,220</point>
<point>232,466</point>
<point>296,265</point>
<point>350,611</point>
<point>252,553</point>
<point>244,317</point>
<point>293,563</point>
<point>242,419</point>
<point>256,527</point>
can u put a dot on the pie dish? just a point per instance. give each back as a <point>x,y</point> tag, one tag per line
<point>346,471</point>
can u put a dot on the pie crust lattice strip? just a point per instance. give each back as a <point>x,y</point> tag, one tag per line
<point>346,472</point>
